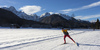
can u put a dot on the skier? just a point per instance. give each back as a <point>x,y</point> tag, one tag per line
<point>66,34</point>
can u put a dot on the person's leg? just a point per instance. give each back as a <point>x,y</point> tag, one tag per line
<point>65,38</point>
<point>71,38</point>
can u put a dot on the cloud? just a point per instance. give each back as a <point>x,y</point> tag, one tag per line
<point>83,7</point>
<point>88,17</point>
<point>67,10</point>
<point>12,2</point>
<point>3,6</point>
<point>7,2</point>
<point>30,9</point>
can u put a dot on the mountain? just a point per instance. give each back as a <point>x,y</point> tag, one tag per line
<point>45,14</point>
<point>22,15</point>
<point>64,16</point>
<point>7,18</point>
<point>57,20</point>
<point>48,14</point>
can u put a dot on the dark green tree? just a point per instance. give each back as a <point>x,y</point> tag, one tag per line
<point>93,25</point>
<point>97,24</point>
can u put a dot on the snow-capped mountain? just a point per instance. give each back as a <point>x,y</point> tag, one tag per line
<point>23,15</point>
<point>33,17</point>
<point>45,14</point>
<point>64,16</point>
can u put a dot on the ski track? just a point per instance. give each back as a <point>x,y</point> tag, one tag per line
<point>44,41</point>
<point>26,41</point>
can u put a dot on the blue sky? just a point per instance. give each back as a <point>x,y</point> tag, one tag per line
<point>83,9</point>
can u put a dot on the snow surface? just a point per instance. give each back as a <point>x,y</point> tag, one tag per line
<point>48,39</point>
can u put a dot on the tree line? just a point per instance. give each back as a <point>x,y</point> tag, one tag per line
<point>96,25</point>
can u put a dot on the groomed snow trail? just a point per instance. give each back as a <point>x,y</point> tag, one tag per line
<point>48,39</point>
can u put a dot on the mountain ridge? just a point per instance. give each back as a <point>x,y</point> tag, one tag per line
<point>58,21</point>
<point>55,20</point>
<point>21,14</point>
<point>7,18</point>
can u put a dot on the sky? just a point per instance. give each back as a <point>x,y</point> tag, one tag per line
<point>82,9</point>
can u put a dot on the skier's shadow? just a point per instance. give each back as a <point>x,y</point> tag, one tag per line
<point>87,44</point>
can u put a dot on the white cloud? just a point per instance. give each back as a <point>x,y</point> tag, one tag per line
<point>83,7</point>
<point>3,6</point>
<point>88,17</point>
<point>30,9</point>
<point>67,10</point>
<point>12,2</point>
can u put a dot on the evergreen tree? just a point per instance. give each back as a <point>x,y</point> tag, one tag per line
<point>97,24</point>
<point>93,25</point>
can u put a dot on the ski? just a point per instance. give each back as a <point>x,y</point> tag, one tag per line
<point>77,44</point>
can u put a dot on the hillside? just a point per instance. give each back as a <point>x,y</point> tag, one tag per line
<point>58,21</point>
<point>7,18</point>
<point>21,14</point>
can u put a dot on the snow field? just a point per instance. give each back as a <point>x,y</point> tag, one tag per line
<point>48,39</point>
